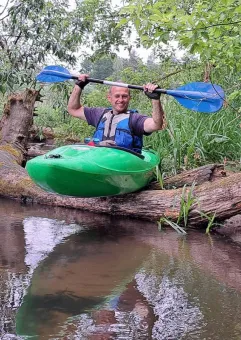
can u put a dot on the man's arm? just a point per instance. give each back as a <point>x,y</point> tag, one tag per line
<point>157,121</point>
<point>74,106</point>
<point>158,117</point>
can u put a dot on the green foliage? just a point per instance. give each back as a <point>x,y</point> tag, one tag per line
<point>187,201</point>
<point>35,32</point>
<point>97,97</point>
<point>192,139</point>
<point>53,113</point>
<point>2,100</point>
<point>101,68</point>
<point>63,125</point>
<point>160,177</point>
<point>210,29</point>
<point>211,219</point>
<point>29,31</point>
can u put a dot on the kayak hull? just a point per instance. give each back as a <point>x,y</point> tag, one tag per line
<point>86,171</point>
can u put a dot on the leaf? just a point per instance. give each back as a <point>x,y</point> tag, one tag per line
<point>194,48</point>
<point>122,22</point>
<point>156,17</point>
<point>205,35</point>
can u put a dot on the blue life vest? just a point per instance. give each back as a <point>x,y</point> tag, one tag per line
<point>119,129</point>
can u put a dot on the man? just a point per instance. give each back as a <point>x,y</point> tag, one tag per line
<point>118,126</point>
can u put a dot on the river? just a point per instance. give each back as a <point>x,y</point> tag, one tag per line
<point>67,274</point>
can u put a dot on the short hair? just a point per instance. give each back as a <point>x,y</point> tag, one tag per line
<point>118,81</point>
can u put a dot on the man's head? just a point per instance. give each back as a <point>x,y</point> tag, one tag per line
<point>119,98</point>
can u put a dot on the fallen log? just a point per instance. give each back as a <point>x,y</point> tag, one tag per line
<point>209,172</point>
<point>221,196</point>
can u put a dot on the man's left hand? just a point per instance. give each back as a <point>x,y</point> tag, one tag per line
<point>82,81</point>
<point>148,90</point>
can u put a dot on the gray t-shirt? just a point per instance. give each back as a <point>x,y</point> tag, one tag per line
<point>93,115</point>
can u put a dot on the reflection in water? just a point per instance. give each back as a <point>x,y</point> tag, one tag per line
<point>42,235</point>
<point>176,315</point>
<point>83,273</point>
<point>66,274</point>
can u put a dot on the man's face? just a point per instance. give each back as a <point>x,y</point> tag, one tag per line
<point>119,98</point>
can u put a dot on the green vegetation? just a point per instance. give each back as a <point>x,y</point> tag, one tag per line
<point>187,201</point>
<point>209,28</point>
<point>211,219</point>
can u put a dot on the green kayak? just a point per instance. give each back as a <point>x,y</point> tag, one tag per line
<point>92,171</point>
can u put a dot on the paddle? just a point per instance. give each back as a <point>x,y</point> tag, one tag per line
<point>197,96</point>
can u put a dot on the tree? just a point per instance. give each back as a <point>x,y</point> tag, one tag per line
<point>29,32</point>
<point>33,31</point>
<point>208,28</point>
<point>101,68</point>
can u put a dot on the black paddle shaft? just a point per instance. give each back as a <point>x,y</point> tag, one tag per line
<point>119,84</point>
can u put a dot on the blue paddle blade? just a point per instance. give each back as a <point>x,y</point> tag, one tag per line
<point>53,74</point>
<point>201,97</point>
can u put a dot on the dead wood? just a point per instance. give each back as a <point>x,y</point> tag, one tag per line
<point>209,172</point>
<point>18,118</point>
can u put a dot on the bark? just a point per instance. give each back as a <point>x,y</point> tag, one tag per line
<point>216,192</point>
<point>17,119</point>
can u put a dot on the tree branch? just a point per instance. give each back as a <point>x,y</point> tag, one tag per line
<point>4,9</point>
<point>203,28</point>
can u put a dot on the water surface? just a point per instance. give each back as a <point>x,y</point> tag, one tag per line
<point>66,274</point>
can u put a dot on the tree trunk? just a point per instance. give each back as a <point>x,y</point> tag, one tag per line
<point>17,119</point>
<point>214,193</point>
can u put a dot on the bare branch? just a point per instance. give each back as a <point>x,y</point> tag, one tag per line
<point>18,37</point>
<point>4,8</point>
<point>4,17</point>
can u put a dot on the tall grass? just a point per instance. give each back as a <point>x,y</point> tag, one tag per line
<point>62,124</point>
<point>192,139</point>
